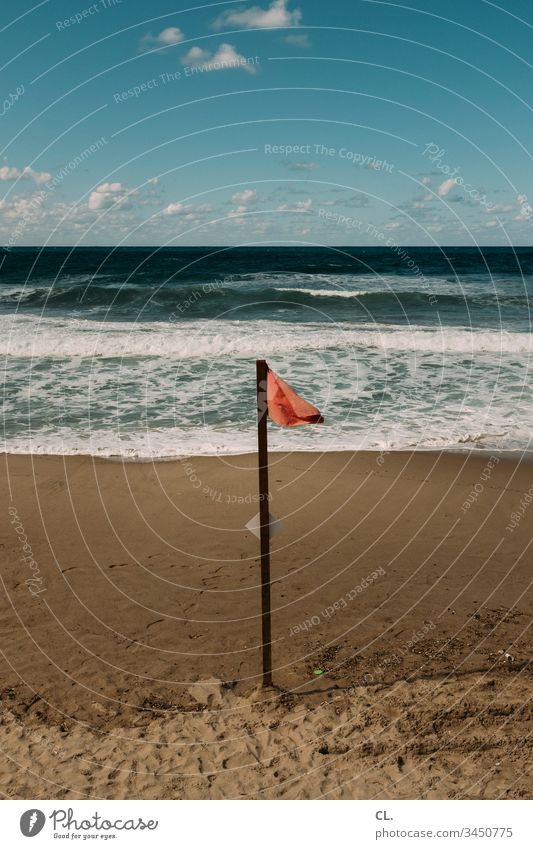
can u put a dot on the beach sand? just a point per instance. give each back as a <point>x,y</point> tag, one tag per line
<point>130,635</point>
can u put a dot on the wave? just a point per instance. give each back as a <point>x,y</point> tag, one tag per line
<point>416,296</point>
<point>330,293</point>
<point>176,442</point>
<point>207,300</point>
<point>22,336</point>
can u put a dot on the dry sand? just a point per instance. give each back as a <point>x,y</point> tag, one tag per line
<point>130,634</point>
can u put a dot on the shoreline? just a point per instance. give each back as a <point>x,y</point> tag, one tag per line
<point>512,454</point>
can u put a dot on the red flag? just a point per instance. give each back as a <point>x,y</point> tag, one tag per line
<point>285,407</point>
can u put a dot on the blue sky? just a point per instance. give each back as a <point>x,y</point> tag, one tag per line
<point>351,122</point>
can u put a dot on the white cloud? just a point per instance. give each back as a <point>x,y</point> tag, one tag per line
<point>499,207</point>
<point>194,56</point>
<point>225,57</point>
<point>170,35</point>
<point>446,187</point>
<point>243,200</point>
<point>277,15</point>
<point>27,173</point>
<point>188,211</point>
<point>298,41</point>
<point>393,225</point>
<point>299,206</point>
<point>24,209</point>
<point>39,176</point>
<point>176,209</point>
<point>236,213</point>
<point>107,195</point>
<point>526,209</point>
<point>166,38</point>
<point>119,196</point>
<point>245,197</point>
<point>7,173</point>
<point>492,223</point>
<point>426,181</point>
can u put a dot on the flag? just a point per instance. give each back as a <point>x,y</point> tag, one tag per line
<point>285,407</point>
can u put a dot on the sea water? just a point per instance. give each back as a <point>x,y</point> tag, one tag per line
<point>149,352</point>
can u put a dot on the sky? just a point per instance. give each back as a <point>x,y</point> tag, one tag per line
<point>351,122</point>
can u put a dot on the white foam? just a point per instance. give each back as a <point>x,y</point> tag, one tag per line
<point>25,336</point>
<point>206,441</point>
<point>331,293</point>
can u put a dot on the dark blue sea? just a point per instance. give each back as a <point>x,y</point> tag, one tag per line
<point>149,352</point>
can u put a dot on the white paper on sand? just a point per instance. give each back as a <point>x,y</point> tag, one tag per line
<point>274,525</point>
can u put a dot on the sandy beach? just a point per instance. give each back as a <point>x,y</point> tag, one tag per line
<point>130,629</point>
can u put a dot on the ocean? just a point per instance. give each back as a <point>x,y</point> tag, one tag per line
<point>149,352</point>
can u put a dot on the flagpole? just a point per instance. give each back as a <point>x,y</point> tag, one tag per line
<point>264,517</point>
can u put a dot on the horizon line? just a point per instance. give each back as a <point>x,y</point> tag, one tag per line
<point>7,250</point>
